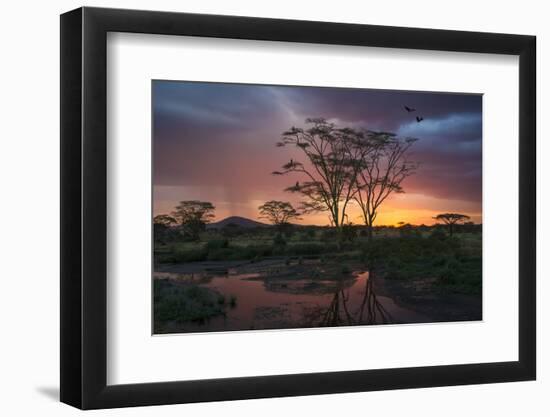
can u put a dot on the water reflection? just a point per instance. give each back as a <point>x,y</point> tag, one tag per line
<point>343,310</point>
<point>263,303</point>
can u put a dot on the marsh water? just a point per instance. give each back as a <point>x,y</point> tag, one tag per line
<point>261,303</point>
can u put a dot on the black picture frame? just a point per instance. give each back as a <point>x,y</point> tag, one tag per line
<point>84,207</point>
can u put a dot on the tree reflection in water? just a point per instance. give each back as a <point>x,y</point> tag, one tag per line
<point>338,312</point>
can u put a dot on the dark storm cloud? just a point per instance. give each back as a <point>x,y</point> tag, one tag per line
<point>196,123</point>
<point>202,108</point>
<point>380,108</point>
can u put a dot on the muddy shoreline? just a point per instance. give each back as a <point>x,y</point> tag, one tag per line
<point>419,296</point>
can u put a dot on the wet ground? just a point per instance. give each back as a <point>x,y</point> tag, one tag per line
<point>282,294</point>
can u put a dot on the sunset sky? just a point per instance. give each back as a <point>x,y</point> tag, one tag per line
<point>216,142</point>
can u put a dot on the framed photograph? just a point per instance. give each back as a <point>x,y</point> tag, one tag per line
<point>258,208</point>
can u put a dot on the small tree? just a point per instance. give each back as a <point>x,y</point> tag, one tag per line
<point>162,227</point>
<point>164,220</point>
<point>278,212</point>
<point>450,219</point>
<point>193,216</point>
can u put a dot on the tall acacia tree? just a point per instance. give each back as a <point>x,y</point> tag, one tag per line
<point>193,215</point>
<point>450,219</point>
<point>278,212</point>
<point>382,172</point>
<point>332,162</point>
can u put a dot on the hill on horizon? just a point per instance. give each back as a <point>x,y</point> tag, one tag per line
<point>237,220</point>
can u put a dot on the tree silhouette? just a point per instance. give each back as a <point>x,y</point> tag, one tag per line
<point>382,172</point>
<point>332,162</point>
<point>278,212</point>
<point>338,312</point>
<point>451,219</point>
<point>164,220</point>
<point>162,227</point>
<point>193,215</point>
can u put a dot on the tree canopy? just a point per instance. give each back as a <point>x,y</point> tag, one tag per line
<point>164,220</point>
<point>382,172</point>
<point>451,219</point>
<point>278,212</point>
<point>193,215</point>
<point>331,166</point>
<point>344,165</point>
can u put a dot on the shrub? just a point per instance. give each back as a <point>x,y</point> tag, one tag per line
<point>438,233</point>
<point>190,255</point>
<point>217,244</point>
<point>184,303</point>
<point>345,270</point>
<point>456,265</point>
<point>279,240</point>
<point>221,254</point>
<point>310,248</point>
<point>240,253</point>
<point>328,235</point>
<point>349,233</point>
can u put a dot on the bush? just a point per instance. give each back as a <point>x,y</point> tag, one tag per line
<point>217,244</point>
<point>349,233</point>
<point>279,240</point>
<point>456,266</point>
<point>345,270</point>
<point>190,255</point>
<point>184,303</point>
<point>221,254</point>
<point>310,248</point>
<point>237,253</point>
<point>438,233</point>
<point>329,235</point>
<point>232,230</point>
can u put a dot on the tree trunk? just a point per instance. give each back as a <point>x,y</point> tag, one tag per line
<point>450,229</point>
<point>369,222</point>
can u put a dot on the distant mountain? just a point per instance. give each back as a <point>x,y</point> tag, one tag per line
<point>237,220</point>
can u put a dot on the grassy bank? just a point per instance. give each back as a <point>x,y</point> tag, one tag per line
<point>450,264</point>
<point>186,302</point>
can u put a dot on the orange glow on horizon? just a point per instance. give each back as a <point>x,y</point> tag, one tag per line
<point>407,208</point>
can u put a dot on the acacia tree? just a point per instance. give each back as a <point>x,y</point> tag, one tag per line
<point>450,219</point>
<point>278,212</point>
<point>164,220</point>
<point>382,172</point>
<point>193,216</point>
<point>332,161</point>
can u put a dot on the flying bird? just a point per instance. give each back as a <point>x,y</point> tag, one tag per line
<point>419,119</point>
<point>409,109</point>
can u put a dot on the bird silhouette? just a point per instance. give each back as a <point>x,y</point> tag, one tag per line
<point>297,184</point>
<point>409,109</point>
<point>419,119</point>
<point>291,161</point>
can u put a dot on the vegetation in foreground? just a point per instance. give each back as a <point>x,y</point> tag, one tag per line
<point>182,302</point>
<point>447,264</point>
